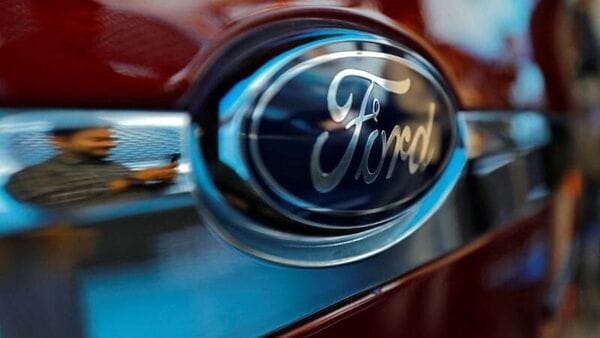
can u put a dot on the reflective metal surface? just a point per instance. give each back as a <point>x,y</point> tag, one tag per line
<point>64,165</point>
<point>497,133</point>
<point>146,271</point>
<point>508,168</point>
<point>171,264</point>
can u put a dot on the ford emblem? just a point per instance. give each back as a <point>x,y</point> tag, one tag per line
<point>345,132</point>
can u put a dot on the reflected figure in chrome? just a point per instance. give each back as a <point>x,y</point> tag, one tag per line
<point>80,172</point>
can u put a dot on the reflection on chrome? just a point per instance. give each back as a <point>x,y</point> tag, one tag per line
<point>507,147</point>
<point>56,158</point>
<point>504,132</point>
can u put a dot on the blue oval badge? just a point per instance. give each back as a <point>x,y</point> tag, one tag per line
<point>340,133</point>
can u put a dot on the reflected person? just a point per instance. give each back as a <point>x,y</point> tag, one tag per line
<point>80,172</point>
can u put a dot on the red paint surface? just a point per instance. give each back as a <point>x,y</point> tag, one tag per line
<point>146,54</point>
<point>483,290</point>
<point>135,53</point>
<point>80,53</point>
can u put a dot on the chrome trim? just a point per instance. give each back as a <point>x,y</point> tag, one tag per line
<point>505,156</point>
<point>141,139</point>
<point>308,227</point>
<point>183,257</point>
<point>509,176</point>
<point>322,250</point>
<point>497,132</point>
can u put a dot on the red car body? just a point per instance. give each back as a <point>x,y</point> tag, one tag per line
<point>148,54</point>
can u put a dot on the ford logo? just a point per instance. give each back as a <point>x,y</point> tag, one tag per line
<point>325,182</point>
<point>338,134</point>
<point>321,146</point>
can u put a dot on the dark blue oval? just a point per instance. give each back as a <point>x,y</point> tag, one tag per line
<point>344,132</point>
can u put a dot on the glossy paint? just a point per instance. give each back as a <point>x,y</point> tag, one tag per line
<point>495,287</point>
<point>68,53</point>
<point>471,293</point>
<point>147,53</point>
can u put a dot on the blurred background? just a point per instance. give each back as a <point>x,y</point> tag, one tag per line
<point>583,297</point>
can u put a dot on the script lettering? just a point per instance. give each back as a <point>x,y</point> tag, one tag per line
<point>412,146</point>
